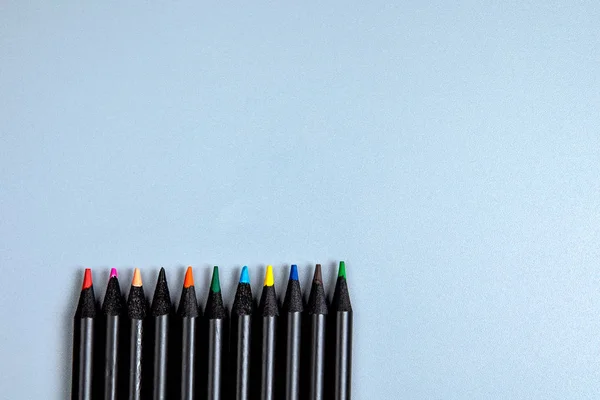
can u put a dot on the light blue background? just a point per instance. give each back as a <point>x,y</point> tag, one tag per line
<point>448,152</point>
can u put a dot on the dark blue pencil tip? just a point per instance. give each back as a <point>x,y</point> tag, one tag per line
<point>294,272</point>
<point>245,276</point>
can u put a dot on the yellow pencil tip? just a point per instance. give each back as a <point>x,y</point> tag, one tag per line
<point>269,279</point>
<point>137,278</point>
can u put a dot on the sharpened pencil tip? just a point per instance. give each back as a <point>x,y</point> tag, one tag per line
<point>162,275</point>
<point>269,279</point>
<point>342,270</point>
<point>294,272</point>
<point>113,273</point>
<point>87,279</point>
<point>215,285</point>
<point>318,277</point>
<point>245,276</point>
<point>137,278</point>
<point>189,278</point>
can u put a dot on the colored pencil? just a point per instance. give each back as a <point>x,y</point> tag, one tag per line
<point>161,315</point>
<point>342,314</point>
<point>112,308</point>
<point>137,307</point>
<point>188,314</point>
<point>83,341</point>
<point>269,311</point>
<point>292,309</point>
<point>241,338</point>
<point>317,311</point>
<point>215,314</point>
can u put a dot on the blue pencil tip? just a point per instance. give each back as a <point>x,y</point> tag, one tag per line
<point>294,272</point>
<point>245,276</point>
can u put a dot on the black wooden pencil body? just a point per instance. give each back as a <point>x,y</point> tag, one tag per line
<point>341,308</point>
<point>292,312</point>
<point>161,315</point>
<point>136,313</point>
<point>317,310</point>
<point>269,310</point>
<point>83,341</point>
<point>215,315</point>
<point>188,314</point>
<point>241,338</point>
<point>112,308</point>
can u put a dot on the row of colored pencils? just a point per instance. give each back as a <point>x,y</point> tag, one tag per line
<point>128,349</point>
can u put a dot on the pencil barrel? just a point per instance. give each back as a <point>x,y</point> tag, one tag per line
<point>160,357</point>
<point>188,358</point>
<point>292,363</point>
<point>317,356</point>
<point>135,359</point>
<point>343,355</point>
<point>269,343</point>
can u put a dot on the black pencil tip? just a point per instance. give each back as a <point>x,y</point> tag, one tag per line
<point>341,296</point>
<point>242,303</point>
<point>161,302</point>
<point>188,305</point>
<point>268,306</point>
<point>137,305</point>
<point>113,299</point>
<point>86,307</point>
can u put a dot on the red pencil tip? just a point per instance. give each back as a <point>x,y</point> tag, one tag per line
<point>113,273</point>
<point>87,279</point>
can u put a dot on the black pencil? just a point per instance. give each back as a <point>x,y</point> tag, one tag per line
<point>317,311</point>
<point>215,315</point>
<point>292,309</point>
<point>241,338</point>
<point>342,314</point>
<point>112,308</point>
<point>136,312</point>
<point>83,341</point>
<point>161,315</point>
<point>188,314</point>
<point>269,311</point>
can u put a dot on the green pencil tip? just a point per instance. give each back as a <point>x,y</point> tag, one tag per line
<point>215,285</point>
<point>342,270</point>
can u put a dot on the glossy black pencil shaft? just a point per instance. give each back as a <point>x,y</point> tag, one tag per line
<point>317,310</point>
<point>112,309</point>
<point>341,308</point>
<point>241,349</point>
<point>216,360</point>
<point>86,360</point>
<point>83,342</point>
<point>343,355</point>
<point>136,312</point>
<point>241,338</point>
<point>269,342</point>
<point>188,358</point>
<point>136,336</point>
<point>292,312</point>
<point>161,314</point>
<point>161,357</point>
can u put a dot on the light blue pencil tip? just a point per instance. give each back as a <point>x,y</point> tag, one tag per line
<point>294,272</point>
<point>245,276</point>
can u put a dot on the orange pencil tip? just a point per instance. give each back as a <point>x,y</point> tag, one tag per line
<point>137,278</point>
<point>87,279</point>
<point>189,278</point>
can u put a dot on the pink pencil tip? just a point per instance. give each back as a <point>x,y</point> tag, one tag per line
<point>113,273</point>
